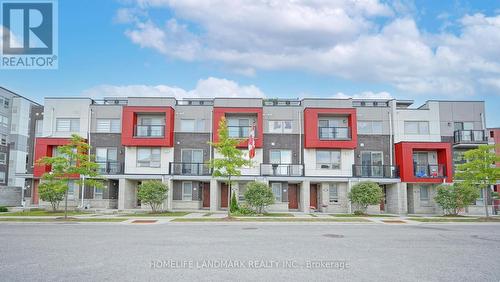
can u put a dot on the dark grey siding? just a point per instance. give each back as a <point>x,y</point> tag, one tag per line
<point>282,141</point>
<point>36,113</point>
<point>108,140</point>
<point>183,140</point>
<point>177,190</point>
<point>373,143</point>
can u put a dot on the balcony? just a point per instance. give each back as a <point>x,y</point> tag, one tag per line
<point>375,171</point>
<point>334,133</point>
<point>470,137</point>
<point>239,132</point>
<point>179,168</point>
<point>281,170</point>
<point>429,170</point>
<point>108,168</point>
<point>149,131</point>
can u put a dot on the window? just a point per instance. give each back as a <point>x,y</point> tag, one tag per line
<point>277,191</point>
<point>463,125</point>
<point>108,125</point>
<point>107,159</point>
<point>4,121</point>
<point>416,127</point>
<point>38,128</point>
<point>187,191</point>
<point>333,128</point>
<point>239,127</point>
<point>67,124</point>
<point>150,125</point>
<point>192,161</point>
<point>370,127</point>
<point>148,157</point>
<point>98,192</point>
<point>424,193</point>
<point>192,125</point>
<point>3,139</point>
<point>280,126</point>
<point>72,187</point>
<point>327,159</point>
<point>3,158</point>
<point>333,193</point>
<point>2,177</point>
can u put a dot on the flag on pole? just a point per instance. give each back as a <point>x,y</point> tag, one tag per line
<point>251,143</point>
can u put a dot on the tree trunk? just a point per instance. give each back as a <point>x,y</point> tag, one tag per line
<point>66,205</point>
<point>486,201</point>
<point>229,197</point>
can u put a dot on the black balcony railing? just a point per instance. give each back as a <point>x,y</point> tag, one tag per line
<point>179,168</point>
<point>375,171</point>
<point>429,170</point>
<point>149,131</point>
<point>334,133</point>
<point>239,131</point>
<point>110,167</point>
<point>281,170</point>
<point>470,136</point>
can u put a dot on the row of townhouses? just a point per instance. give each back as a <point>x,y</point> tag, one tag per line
<point>309,151</point>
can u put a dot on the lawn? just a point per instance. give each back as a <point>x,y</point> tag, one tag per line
<point>270,219</point>
<point>13,219</point>
<point>456,219</point>
<point>43,213</point>
<point>155,214</point>
<point>366,215</point>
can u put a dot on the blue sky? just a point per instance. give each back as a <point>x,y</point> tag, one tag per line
<point>403,49</point>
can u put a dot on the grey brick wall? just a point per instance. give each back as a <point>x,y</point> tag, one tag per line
<point>184,140</point>
<point>373,143</point>
<point>282,141</point>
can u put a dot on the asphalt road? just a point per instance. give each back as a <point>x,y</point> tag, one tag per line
<point>248,252</point>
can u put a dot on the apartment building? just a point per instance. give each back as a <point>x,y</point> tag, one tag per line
<point>310,151</point>
<point>17,133</point>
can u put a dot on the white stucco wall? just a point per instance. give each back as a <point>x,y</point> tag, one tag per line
<point>428,113</point>
<point>346,162</point>
<point>167,156</point>
<point>65,108</point>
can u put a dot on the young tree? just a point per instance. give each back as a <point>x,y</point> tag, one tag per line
<point>454,198</point>
<point>479,170</point>
<point>71,160</point>
<point>259,195</point>
<point>234,204</point>
<point>364,194</point>
<point>52,190</point>
<point>231,160</point>
<point>153,193</point>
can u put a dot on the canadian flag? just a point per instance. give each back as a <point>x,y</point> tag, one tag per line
<point>251,143</point>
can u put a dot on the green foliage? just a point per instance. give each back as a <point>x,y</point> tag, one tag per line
<point>52,190</point>
<point>234,204</point>
<point>259,195</point>
<point>364,194</point>
<point>454,198</point>
<point>71,159</point>
<point>153,193</point>
<point>244,210</point>
<point>3,209</point>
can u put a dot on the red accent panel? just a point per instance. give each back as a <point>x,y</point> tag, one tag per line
<point>404,159</point>
<point>129,121</point>
<point>43,148</point>
<point>311,133</point>
<point>221,112</point>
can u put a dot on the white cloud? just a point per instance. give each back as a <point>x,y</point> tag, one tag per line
<point>339,38</point>
<point>365,95</point>
<point>205,88</point>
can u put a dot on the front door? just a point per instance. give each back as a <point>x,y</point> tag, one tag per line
<point>314,196</point>
<point>206,195</point>
<point>292,196</point>
<point>223,195</point>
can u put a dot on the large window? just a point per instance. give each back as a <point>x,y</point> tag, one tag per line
<point>67,124</point>
<point>333,128</point>
<point>192,161</point>
<point>280,126</point>
<point>192,125</point>
<point>4,121</point>
<point>327,159</point>
<point>3,158</point>
<point>187,191</point>
<point>107,159</point>
<point>277,191</point>
<point>148,157</point>
<point>333,193</point>
<point>370,127</point>
<point>150,125</point>
<point>239,127</point>
<point>108,125</point>
<point>416,127</point>
<point>463,125</point>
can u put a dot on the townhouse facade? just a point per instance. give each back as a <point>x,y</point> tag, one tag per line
<point>310,151</point>
<point>17,136</point>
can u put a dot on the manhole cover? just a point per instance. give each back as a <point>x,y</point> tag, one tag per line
<point>393,221</point>
<point>249,228</point>
<point>144,221</point>
<point>333,235</point>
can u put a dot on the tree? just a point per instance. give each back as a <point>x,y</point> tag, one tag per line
<point>234,204</point>
<point>479,170</point>
<point>231,160</point>
<point>259,195</point>
<point>71,160</point>
<point>153,193</point>
<point>454,198</point>
<point>364,194</point>
<point>52,190</point>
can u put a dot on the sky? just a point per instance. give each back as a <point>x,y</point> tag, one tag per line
<point>419,50</point>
